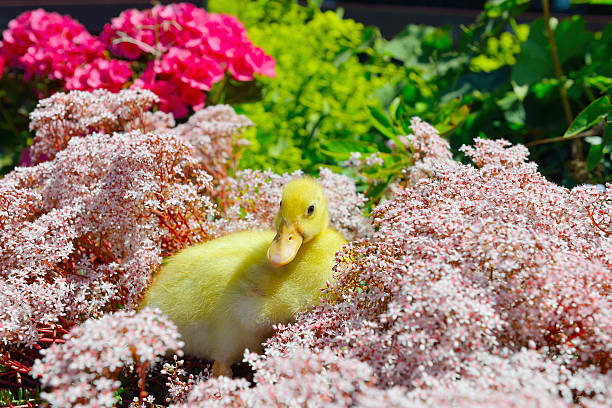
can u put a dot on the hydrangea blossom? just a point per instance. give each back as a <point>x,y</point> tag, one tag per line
<point>83,372</point>
<point>187,51</point>
<point>193,50</point>
<point>100,73</point>
<point>48,45</point>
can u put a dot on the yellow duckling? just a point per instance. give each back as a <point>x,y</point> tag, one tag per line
<point>224,295</point>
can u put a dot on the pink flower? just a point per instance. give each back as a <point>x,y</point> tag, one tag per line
<point>180,79</point>
<point>253,61</point>
<point>169,98</point>
<point>100,73</point>
<point>48,44</point>
<point>86,367</point>
<point>188,69</point>
<point>193,50</point>
<point>125,24</point>
<point>61,117</point>
<point>1,66</point>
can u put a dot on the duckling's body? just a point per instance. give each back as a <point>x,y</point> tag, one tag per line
<point>224,295</point>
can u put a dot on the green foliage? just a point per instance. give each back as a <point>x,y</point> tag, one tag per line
<point>337,80</point>
<point>18,100</point>
<point>329,71</point>
<point>591,115</point>
<point>19,397</point>
<point>257,12</point>
<point>498,81</point>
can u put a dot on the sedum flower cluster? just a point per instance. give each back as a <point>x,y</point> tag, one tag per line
<point>475,285</point>
<point>178,51</point>
<point>62,116</point>
<point>480,286</point>
<point>120,188</point>
<point>84,371</point>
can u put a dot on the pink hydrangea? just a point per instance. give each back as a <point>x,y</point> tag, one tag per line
<point>193,50</point>
<point>48,45</point>
<point>100,73</point>
<point>188,51</point>
<point>181,79</point>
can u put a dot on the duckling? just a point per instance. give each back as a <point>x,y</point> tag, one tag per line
<point>224,295</point>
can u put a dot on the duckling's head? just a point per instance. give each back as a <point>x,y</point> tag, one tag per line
<point>301,217</point>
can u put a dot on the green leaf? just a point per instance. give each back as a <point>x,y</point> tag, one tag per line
<point>385,94</point>
<point>596,151</point>
<point>534,61</point>
<point>341,149</point>
<point>594,157</point>
<point>393,107</point>
<point>456,119</point>
<point>382,124</point>
<point>342,57</point>
<point>592,114</point>
<point>520,91</point>
<point>407,45</point>
<point>571,38</point>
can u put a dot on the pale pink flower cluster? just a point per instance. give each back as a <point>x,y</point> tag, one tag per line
<point>425,141</point>
<point>253,197</point>
<point>212,133</point>
<point>193,50</point>
<point>303,379</point>
<point>63,116</point>
<point>84,371</point>
<point>428,149</point>
<point>179,382</point>
<point>322,378</point>
<point>465,271</point>
<point>91,225</point>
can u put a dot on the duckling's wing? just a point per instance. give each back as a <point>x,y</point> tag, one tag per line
<point>191,284</point>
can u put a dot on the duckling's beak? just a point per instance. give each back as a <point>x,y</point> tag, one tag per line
<point>285,245</point>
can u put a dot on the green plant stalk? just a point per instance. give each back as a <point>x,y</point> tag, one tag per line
<point>592,132</point>
<point>569,117</point>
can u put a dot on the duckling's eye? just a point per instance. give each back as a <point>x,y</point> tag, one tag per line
<point>310,209</point>
<point>280,204</point>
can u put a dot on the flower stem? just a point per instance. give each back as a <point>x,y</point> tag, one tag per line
<point>567,110</point>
